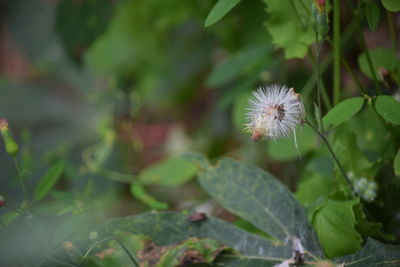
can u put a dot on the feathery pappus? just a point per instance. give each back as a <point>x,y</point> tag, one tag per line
<point>274,111</point>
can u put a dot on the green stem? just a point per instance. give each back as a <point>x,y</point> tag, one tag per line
<point>340,166</point>
<point>318,113</point>
<point>336,51</point>
<point>21,181</point>
<point>318,72</point>
<point>392,30</point>
<point>118,241</point>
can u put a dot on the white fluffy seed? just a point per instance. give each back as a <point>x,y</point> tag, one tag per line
<point>274,111</point>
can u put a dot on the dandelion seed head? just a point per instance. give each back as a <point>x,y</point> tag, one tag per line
<point>274,111</point>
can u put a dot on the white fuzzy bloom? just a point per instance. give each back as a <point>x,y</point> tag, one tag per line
<point>274,111</point>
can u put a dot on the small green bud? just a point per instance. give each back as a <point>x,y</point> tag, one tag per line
<point>11,145</point>
<point>319,18</point>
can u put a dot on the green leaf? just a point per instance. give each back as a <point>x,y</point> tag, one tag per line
<point>48,180</point>
<point>313,188</point>
<point>370,129</point>
<point>173,171</point>
<point>220,9</point>
<point>140,193</point>
<point>391,5</point>
<point>323,166</point>
<point>343,111</point>
<point>259,198</point>
<point>334,223</point>
<point>373,14</point>
<point>396,164</point>
<point>374,253</point>
<point>285,149</point>
<point>240,64</point>
<point>380,57</point>
<point>388,108</point>
<point>289,26</point>
<point>348,153</point>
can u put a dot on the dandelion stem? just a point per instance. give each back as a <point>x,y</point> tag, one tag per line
<point>328,145</point>
<point>324,94</point>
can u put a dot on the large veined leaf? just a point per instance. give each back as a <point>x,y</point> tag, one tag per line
<point>343,112</point>
<point>289,25</point>
<point>374,253</point>
<point>388,108</point>
<point>261,199</point>
<point>219,10</point>
<point>170,227</point>
<point>165,228</point>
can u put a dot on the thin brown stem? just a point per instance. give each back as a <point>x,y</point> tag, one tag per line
<point>333,154</point>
